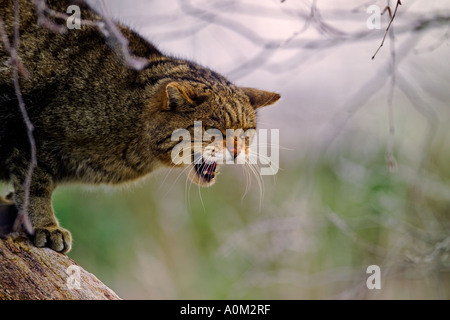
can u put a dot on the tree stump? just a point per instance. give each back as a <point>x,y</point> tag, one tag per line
<point>30,273</point>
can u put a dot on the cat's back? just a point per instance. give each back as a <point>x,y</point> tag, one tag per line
<point>78,88</point>
<point>74,54</point>
<point>47,55</point>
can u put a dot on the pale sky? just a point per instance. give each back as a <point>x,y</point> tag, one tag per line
<point>317,85</point>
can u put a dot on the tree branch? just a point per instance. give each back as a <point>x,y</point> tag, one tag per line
<point>30,273</point>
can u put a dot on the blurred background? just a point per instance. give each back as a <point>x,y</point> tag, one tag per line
<point>364,173</point>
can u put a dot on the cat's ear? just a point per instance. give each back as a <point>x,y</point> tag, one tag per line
<point>260,98</point>
<point>177,95</point>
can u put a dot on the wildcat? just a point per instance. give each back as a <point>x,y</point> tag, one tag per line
<point>99,121</point>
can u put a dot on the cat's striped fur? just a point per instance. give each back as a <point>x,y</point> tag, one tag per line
<point>96,119</point>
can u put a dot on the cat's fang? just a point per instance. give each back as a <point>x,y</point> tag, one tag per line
<point>206,170</point>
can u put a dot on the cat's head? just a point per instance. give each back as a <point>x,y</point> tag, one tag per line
<point>204,125</point>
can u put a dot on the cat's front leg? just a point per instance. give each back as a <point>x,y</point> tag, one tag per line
<point>47,232</point>
<point>8,214</point>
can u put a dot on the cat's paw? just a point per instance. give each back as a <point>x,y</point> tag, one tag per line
<point>55,237</point>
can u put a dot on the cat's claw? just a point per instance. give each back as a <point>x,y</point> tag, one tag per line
<point>55,237</point>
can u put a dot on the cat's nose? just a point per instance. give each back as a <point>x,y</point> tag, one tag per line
<point>234,146</point>
<point>234,152</point>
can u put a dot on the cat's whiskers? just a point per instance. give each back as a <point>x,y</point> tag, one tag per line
<point>173,166</point>
<point>166,175</point>
<point>260,181</point>
<point>200,196</point>
<point>264,158</point>
<point>188,187</point>
<point>254,169</point>
<point>248,181</point>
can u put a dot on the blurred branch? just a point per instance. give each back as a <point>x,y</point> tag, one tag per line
<point>43,11</point>
<point>392,163</point>
<point>22,219</point>
<point>424,109</point>
<point>14,59</point>
<point>106,26</point>
<point>442,39</point>
<point>342,225</point>
<point>312,19</point>
<point>110,31</point>
<point>365,92</point>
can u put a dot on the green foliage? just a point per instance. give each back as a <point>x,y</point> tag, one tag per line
<point>319,224</point>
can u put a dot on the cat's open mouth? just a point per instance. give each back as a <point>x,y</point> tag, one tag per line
<point>203,172</point>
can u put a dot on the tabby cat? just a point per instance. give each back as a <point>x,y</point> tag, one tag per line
<point>96,119</point>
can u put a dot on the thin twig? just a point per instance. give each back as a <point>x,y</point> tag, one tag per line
<point>4,37</point>
<point>22,217</point>
<point>392,163</point>
<point>111,29</point>
<point>388,27</point>
<point>22,220</point>
<point>14,60</point>
<point>107,27</point>
<point>43,10</point>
